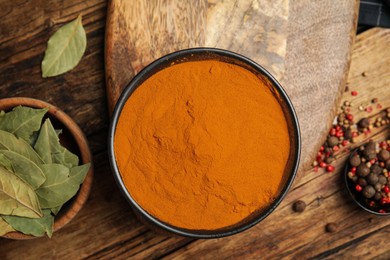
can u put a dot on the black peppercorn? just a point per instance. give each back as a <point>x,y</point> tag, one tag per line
<point>362,170</point>
<point>369,153</point>
<point>362,182</point>
<point>376,169</point>
<point>382,179</point>
<point>333,141</point>
<point>383,155</point>
<point>355,160</point>
<point>378,186</point>
<point>331,227</point>
<point>377,196</point>
<point>368,191</point>
<point>387,164</point>
<point>347,134</point>
<point>363,123</point>
<point>299,206</point>
<point>372,178</point>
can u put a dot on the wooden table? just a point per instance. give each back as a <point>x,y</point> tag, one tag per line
<point>106,227</point>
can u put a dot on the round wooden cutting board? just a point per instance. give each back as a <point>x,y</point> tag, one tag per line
<point>306,45</point>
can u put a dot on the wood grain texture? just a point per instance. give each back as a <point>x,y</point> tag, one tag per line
<point>106,227</point>
<point>301,236</point>
<point>256,29</point>
<point>138,32</point>
<point>298,41</point>
<point>320,36</point>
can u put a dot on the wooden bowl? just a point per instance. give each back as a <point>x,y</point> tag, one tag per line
<point>74,140</point>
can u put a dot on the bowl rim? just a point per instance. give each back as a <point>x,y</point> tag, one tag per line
<point>85,157</point>
<point>352,194</point>
<point>168,59</point>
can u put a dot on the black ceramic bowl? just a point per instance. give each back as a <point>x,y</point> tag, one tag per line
<point>357,197</point>
<point>197,54</point>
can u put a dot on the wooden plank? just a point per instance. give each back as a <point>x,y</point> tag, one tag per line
<point>80,93</point>
<point>294,235</point>
<point>139,32</point>
<point>298,41</point>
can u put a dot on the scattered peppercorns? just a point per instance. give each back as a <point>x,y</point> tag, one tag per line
<point>372,187</point>
<point>331,227</point>
<point>299,206</point>
<point>345,132</point>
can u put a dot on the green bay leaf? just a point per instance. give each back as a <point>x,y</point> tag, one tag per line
<point>23,121</point>
<point>25,169</point>
<point>6,163</point>
<point>36,227</point>
<point>78,173</point>
<point>58,188</point>
<point>49,148</point>
<point>5,227</point>
<point>10,142</point>
<point>56,210</point>
<point>65,49</point>
<point>16,197</point>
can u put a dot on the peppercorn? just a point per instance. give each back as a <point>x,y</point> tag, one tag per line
<point>387,164</point>
<point>382,179</point>
<point>383,155</point>
<point>372,178</point>
<point>378,186</point>
<point>362,182</point>
<point>363,123</point>
<point>355,160</point>
<point>362,170</point>
<point>331,227</point>
<point>377,196</point>
<point>333,141</point>
<point>299,206</point>
<point>329,159</point>
<point>375,168</point>
<point>368,191</point>
<point>369,154</point>
<point>371,145</point>
<point>348,134</point>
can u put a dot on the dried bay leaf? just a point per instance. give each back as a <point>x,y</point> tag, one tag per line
<point>25,169</point>
<point>49,148</point>
<point>36,227</point>
<point>10,142</point>
<point>5,227</point>
<point>16,197</point>
<point>59,186</point>
<point>65,49</point>
<point>6,163</point>
<point>23,121</point>
<point>78,173</point>
<point>56,210</point>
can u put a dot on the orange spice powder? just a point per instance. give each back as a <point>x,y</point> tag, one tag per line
<point>202,145</point>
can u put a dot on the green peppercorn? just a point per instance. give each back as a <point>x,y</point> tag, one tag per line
<point>362,170</point>
<point>355,160</point>
<point>368,191</point>
<point>372,178</point>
